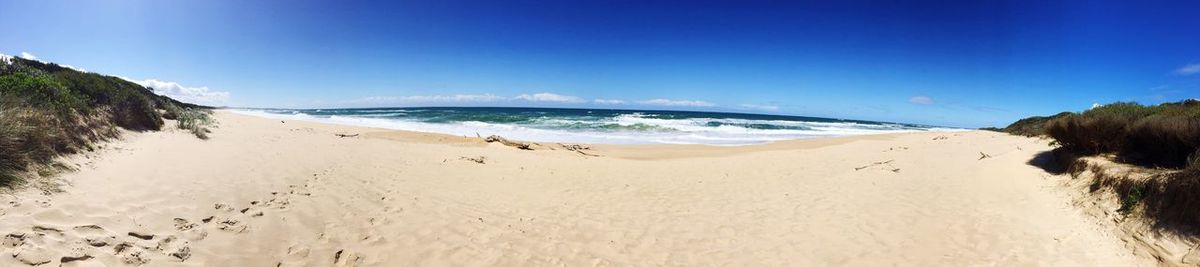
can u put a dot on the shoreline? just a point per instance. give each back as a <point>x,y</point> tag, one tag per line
<point>630,128</point>
<point>629,151</point>
<point>292,193</point>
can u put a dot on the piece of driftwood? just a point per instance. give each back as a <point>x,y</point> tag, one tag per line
<point>480,159</point>
<point>502,140</point>
<point>578,149</point>
<point>346,135</point>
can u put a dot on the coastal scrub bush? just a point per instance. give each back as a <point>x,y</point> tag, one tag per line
<point>1166,135</point>
<point>1163,141</point>
<point>39,90</point>
<point>1088,134</point>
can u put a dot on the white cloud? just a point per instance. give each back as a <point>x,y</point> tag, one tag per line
<point>6,59</point>
<point>195,95</point>
<point>1095,105</point>
<point>680,103</point>
<point>549,97</point>
<point>428,99</point>
<point>609,101</point>
<point>27,55</point>
<point>760,107</point>
<point>73,67</point>
<point>921,100</point>
<point>1188,69</point>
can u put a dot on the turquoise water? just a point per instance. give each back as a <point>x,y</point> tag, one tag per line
<point>598,125</point>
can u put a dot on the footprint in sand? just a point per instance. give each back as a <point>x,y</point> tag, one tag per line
<point>297,255</point>
<point>130,254</point>
<point>13,240</point>
<point>46,230</point>
<point>25,251</point>
<point>232,225</point>
<point>174,248</point>
<point>222,207</point>
<point>346,259</point>
<point>95,236</point>
<point>189,230</point>
<point>32,255</point>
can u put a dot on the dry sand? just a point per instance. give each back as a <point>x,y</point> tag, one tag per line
<point>263,192</point>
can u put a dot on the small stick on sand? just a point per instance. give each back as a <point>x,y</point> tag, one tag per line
<point>874,164</point>
<point>346,135</point>
<point>983,156</point>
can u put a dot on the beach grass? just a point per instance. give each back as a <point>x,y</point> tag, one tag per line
<point>197,121</point>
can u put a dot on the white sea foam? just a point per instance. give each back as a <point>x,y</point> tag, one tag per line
<point>665,131</point>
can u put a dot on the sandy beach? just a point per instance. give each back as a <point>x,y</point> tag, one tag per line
<point>265,192</point>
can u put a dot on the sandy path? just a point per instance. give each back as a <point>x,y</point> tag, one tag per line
<point>262,193</point>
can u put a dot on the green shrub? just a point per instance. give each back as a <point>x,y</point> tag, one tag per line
<point>1135,196</point>
<point>1121,110</point>
<point>1088,134</point>
<point>40,90</point>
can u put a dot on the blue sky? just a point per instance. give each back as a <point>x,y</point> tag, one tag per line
<point>953,63</point>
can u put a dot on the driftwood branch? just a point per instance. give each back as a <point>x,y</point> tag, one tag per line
<point>479,159</point>
<point>502,140</point>
<point>577,148</point>
<point>346,135</point>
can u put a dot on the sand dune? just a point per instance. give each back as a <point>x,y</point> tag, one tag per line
<point>270,193</point>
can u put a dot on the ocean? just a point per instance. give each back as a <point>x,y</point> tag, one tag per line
<point>597,126</point>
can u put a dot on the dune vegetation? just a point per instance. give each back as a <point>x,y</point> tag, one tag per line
<point>1164,139</point>
<point>1031,126</point>
<point>47,110</point>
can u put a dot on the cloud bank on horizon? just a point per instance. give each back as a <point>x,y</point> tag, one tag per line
<point>549,97</point>
<point>195,95</point>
